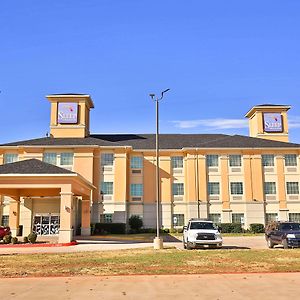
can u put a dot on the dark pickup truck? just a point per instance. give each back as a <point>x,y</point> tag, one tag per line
<point>286,234</point>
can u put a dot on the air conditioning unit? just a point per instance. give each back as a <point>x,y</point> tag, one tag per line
<point>269,169</point>
<point>136,198</point>
<point>213,169</point>
<point>291,170</point>
<point>136,171</point>
<point>107,168</point>
<point>214,197</point>
<point>293,197</point>
<point>178,198</point>
<point>70,168</point>
<point>236,170</point>
<point>107,197</point>
<point>269,197</point>
<point>237,197</point>
<point>177,171</point>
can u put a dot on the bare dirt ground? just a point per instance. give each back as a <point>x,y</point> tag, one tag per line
<point>210,286</point>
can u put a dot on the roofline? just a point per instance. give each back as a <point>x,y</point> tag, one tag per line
<point>84,96</point>
<point>257,107</point>
<point>50,175</point>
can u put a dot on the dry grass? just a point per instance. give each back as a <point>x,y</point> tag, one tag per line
<point>149,261</point>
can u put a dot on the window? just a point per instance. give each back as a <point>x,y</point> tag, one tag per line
<point>213,188</point>
<point>271,217</point>
<point>268,160</point>
<point>177,162</point>
<point>212,160</point>
<point>178,219</point>
<point>50,158</point>
<point>106,218</point>
<point>290,160</point>
<point>292,188</point>
<point>136,190</point>
<point>294,217</point>
<point>216,218</point>
<point>136,162</point>
<point>10,158</point>
<point>238,218</point>
<point>178,189</point>
<point>235,160</point>
<point>107,159</point>
<point>270,188</point>
<point>66,159</point>
<point>5,221</point>
<point>107,188</point>
<point>236,188</point>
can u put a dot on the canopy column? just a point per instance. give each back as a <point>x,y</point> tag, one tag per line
<point>66,215</point>
<point>85,216</point>
<point>14,216</point>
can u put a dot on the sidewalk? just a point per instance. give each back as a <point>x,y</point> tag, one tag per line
<point>212,287</point>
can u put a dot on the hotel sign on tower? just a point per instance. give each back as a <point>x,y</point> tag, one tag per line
<point>67,113</point>
<point>272,122</point>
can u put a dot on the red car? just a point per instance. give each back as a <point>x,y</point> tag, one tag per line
<point>4,231</point>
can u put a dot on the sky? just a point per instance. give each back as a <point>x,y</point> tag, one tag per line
<point>218,58</point>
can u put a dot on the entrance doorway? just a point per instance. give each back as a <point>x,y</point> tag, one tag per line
<point>46,224</point>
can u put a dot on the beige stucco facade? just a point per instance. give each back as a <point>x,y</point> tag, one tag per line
<point>80,200</point>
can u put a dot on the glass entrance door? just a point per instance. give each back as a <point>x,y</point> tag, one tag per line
<point>46,224</point>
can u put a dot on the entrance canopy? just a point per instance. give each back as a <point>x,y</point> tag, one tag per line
<point>34,178</point>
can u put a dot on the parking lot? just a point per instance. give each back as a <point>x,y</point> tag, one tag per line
<point>97,244</point>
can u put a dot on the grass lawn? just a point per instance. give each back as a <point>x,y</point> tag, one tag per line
<point>149,261</point>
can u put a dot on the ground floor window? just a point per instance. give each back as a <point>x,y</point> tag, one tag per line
<point>271,217</point>
<point>46,225</point>
<point>238,218</point>
<point>216,218</point>
<point>294,217</point>
<point>106,218</point>
<point>178,219</point>
<point>5,221</point>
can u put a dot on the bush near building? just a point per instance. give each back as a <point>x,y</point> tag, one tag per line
<point>135,223</point>
<point>231,227</point>
<point>114,228</point>
<point>257,228</point>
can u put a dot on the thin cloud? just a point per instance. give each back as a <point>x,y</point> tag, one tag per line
<point>221,123</point>
<point>212,123</point>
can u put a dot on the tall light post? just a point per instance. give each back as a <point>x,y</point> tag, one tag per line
<point>158,242</point>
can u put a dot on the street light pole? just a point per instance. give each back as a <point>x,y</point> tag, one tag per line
<point>158,242</point>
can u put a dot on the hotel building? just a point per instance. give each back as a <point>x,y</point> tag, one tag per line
<point>60,184</point>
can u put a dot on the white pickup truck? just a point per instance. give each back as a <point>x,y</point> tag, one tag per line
<point>201,233</point>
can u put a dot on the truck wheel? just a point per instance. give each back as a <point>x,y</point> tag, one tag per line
<point>285,244</point>
<point>184,244</point>
<point>270,243</point>
<point>188,247</point>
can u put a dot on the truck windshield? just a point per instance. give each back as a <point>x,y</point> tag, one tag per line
<point>202,225</point>
<point>289,226</point>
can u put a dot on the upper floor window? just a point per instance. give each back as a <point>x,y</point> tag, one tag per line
<point>213,188</point>
<point>66,159</point>
<point>212,160</point>
<point>267,160</point>
<point>270,188</point>
<point>107,159</point>
<point>136,162</point>
<point>292,188</point>
<point>136,190</point>
<point>236,188</point>
<point>290,160</point>
<point>10,158</point>
<point>177,162</point>
<point>178,189</point>
<point>50,158</point>
<point>107,188</point>
<point>235,160</point>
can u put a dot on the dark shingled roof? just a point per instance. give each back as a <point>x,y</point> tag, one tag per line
<point>32,166</point>
<point>167,141</point>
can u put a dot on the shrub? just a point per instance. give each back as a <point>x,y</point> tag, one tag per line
<point>148,230</point>
<point>135,223</point>
<point>32,237</point>
<point>257,228</point>
<point>14,240</point>
<point>25,239</point>
<point>7,239</point>
<point>231,227</point>
<point>115,228</point>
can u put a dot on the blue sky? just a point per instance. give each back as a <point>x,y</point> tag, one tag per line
<point>219,58</point>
